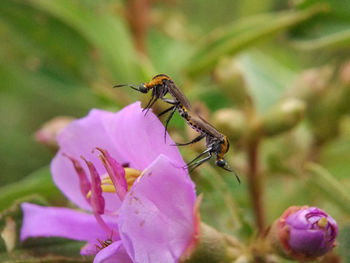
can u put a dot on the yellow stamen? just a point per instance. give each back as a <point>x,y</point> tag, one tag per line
<point>105,188</point>
<point>106,181</point>
<point>132,172</point>
<point>108,188</point>
<point>131,175</point>
<point>107,185</point>
<point>322,223</point>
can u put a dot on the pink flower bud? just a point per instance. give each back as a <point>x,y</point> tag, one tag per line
<point>47,135</point>
<point>304,233</point>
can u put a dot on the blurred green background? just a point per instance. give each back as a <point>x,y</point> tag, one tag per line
<point>236,60</point>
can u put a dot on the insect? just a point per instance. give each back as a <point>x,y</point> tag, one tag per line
<point>216,142</point>
<point>104,244</point>
<point>161,85</point>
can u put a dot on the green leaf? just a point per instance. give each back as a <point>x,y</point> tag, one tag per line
<point>50,251</point>
<point>266,77</point>
<point>103,30</point>
<point>38,41</point>
<point>239,36</point>
<point>39,182</point>
<point>19,257</point>
<point>329,186</point>
<point>33,249</point>
<point>325,31</point>
<point>336,159</point>
<point>332,41</point>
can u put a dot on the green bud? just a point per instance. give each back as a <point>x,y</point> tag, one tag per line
<point>283,116</point>
<point>211,248</point>
<point>230,122</point>
<point>231,81</point>
<point>311,84</point>
<point>344,127</point>
<point>9,234</point>
<point>325,116</point>
<point>344,74</point>
<point>244,259</point>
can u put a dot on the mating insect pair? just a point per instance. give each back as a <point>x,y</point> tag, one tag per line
<point>216,142</point>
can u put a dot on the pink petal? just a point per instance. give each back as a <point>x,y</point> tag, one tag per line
<point>97,200</point>
<point>89,249</point>
<point>39,221</point>
<point>85,185</point>
<point>79,139</point>
<point>156,220</point>
<point>114,253</point>
<point>116,173</point>
<point>141,138</point>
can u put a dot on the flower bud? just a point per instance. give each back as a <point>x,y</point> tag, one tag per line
<point>230,122</point>
<point>231,80</point>
<point>9,234</point>
<point>325,115</point>
<point>312,84</point>
<point>303,233</point>
<point>47,135</point>
<point>344,73</point>
<point>283,116</point>
<point>211,247</point>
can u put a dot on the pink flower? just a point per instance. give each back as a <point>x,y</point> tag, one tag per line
<point>304,233</point>
<point>133,216</point>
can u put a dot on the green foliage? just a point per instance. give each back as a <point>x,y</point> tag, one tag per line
<point>39,182</point>
<point>231,40</point>
<point>62,58</point>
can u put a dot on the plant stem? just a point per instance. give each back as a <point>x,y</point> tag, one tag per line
<point>138,17</point>
<point>255,183</point>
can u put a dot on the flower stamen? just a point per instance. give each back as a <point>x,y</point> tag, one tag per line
<point>97,200</point>
<point>322,223</point>
<point>131,175</point>
<point>115,172</point>
<point>107,185</point>
<point>85,185</point>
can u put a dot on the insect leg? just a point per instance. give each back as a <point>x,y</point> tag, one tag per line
<point>167,110</point>
<point>199,156</point>
<point>149,102</point>
<point>196,164</point>
<point>168,120</point>
<point>169,101</point>
<point>197,139</point>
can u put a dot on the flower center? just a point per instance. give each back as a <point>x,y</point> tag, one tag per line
<point>322,223</point>
<point>107,185</point>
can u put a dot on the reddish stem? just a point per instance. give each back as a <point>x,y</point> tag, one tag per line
<point>255,184</point>
<point>138,17</point>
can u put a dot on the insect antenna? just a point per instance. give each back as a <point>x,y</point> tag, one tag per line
<point>126,85</point>
<point>229,169</point>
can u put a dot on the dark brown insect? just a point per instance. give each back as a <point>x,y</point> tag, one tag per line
<point>104,244</point>
<point>216,142</point>
<point>161,85</point>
